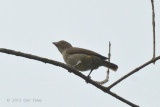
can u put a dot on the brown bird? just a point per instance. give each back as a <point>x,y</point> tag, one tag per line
<point>82,59</point>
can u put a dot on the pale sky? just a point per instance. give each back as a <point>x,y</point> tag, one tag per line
<point>32,25</point>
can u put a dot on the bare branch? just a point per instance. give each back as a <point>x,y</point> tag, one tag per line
<point>134,71</point>
<point>70,69</point>
<point>153,23</point>
<point>122,99</point>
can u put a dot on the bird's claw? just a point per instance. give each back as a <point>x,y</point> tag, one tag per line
<point>88,77</point>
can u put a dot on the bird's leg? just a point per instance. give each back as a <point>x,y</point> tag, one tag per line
<point>77,63</point>
<point>90,73</point>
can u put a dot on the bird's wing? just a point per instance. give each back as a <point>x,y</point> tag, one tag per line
<point>75,50</point>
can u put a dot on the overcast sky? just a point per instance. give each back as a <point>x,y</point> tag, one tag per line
<point>32,25</point>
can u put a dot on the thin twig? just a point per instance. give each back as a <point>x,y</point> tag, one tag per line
<point>107,72</point>
<point>70,69</point>
<point>134,71</point>
<point>109,58</point>
<point>153,23</point>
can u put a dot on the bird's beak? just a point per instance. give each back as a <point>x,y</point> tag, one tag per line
<point>55,43</point>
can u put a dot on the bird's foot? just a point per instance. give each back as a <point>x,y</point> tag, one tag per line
<point>88,77</point>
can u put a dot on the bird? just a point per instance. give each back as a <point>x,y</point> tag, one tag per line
<point>82,59</point>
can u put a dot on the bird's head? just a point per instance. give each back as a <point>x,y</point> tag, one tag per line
<point>62,45</point>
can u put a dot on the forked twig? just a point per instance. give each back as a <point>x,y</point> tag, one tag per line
<point>134,71</point>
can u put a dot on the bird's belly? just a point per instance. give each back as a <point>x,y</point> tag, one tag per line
<point>81,62</point>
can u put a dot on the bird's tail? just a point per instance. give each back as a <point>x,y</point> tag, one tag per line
<point>111,66</point>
